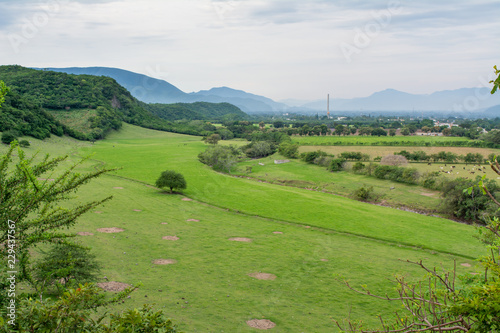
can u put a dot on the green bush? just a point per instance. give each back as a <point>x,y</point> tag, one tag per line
<point>8,137</point>
<point>309,157</point>
<point>364,193</point>
<point>358,166</point>
<point>336,164</point>
<point>171,179</point>
<point>24,143</point>
<point>290,150</point>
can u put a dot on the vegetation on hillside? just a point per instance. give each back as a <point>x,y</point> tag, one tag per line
<point>196,111</point>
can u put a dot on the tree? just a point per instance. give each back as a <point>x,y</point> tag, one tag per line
<point>212,139</point>
<point>32,205</point>
<point>392,132</point>
<point>405,131</point>
<point>220,158</point>
<point>171,179</point>
<point>278,124</point>
<point>339,129</point>
<point>3,91</point>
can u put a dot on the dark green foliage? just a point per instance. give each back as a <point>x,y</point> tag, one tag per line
<point>309,157</point>
<point>9,136</point>
<point>378,132</point>
<point>195,111</point>
<point>364,193</point>
<point>65,262</point>
<point>358,166</point>
<point>355,156</point>
<point>212,139</point>
<point>143,320</point>
<point>259,149</point>
<point>336,164</point>
<point>471,207</point>
<point>397,174</point>
<point>171,179</point>
<point>24,143</point>
<point>290,150</point>
<point>220,158</point>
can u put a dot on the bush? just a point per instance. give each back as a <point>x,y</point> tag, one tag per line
<point>24,143</point>
<point>290,150</point>
<point>358,166</point>
<point>309,157</point>
<point>171,179</point>
<point>364,193</point>
<point>259,149</point>
<point>8,137</point>
<point>220,158</point>
<point>336,164</point>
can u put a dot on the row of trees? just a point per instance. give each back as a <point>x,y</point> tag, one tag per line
<point>448,157</point>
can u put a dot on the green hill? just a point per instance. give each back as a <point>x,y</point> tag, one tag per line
<point>196,111</point>
<point>87,107</point>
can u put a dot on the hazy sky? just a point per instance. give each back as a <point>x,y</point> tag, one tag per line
<point>279,49</point>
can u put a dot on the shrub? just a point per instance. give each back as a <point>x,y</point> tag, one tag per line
<point>336,164</point>
<point>309,157</point>
<point>394,160</point>
<point>289,150</point>
<point>8,137</point>
<point>323,160</point>
<point>24,143</point>
<point>220,158</point>
<point>364,193</point>
<point>358,166</point>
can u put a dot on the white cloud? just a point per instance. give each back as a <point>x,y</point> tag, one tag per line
<point>279,49</point>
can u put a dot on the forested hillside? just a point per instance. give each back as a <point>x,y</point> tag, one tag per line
<point>196,111</point>
<point>87,107</point>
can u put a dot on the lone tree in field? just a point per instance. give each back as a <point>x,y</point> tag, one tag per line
<point>171,179</point>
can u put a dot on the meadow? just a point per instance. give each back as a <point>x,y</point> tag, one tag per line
<point>333,140</point>
<point>304,238</point>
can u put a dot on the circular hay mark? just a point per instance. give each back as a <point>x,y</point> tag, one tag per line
<point>187,199</point>
<point>465,264</point>
<point>164,223</point>
<point>427,194</point>
<point>307,227</point>
<point>113,286</point>
<point>172,238</point>
<point>193,220</point>
<point>324,259</point>
<point>118,188</point>
<point>84,233</point>
<point>137,210</point>
<point>240,239</point>
<point>164,261</point>
<point>261,324</point>
<point>262,276</point>
<point>278,232</point>
<point>110,230</point>
<point>98,212</point>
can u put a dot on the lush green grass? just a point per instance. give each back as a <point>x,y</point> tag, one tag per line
<point>208,289</point>
<point>331,140</point>
<point>144,159</point>
<point>300,174</point>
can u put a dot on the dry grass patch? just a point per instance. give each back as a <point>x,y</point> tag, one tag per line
<point>110,230</point>
<point>113,286</point>
<point>164,261</point>
<point>172,238</point>
<point>84,233</point>
<point>241,239</point>
<point>262,276</point>
<point>187,199</point>
<point>261,324</point>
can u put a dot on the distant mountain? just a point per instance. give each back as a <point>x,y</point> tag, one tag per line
<point>494,111</point>
<point>151,90</point>
<point>461,100</point>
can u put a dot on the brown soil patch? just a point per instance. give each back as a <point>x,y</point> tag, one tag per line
<point>466,264</point>
<point>307,226</point>
<point>113,286</point>
<point>84,233</point>
<point>173,238</point>
<point>262,276</point>
<point>278,232</point>
<point>427,194</point>
<point>164,261</point>
<point>98,212</point>
<point>110,230</point>
<point>187,199</point>
<point>261,324</point>
<point>240,239</point>
<point>137,210</point>
<point>192,220</point>
<point>164,223</point>
<point>118,188</point>
<point>324,259</point>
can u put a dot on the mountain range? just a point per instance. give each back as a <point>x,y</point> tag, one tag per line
<point>464,101</point>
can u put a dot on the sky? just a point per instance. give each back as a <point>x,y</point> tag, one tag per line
<point>279,49</point>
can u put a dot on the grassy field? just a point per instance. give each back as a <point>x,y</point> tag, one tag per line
<point>300,174</point>
<point>331,140</point>
<point>76,119</point>
<point>208,289</point>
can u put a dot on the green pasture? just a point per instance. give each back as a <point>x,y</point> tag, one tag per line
<point>208,289</point>
<point>372,140</point>
<point>300,174</point>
